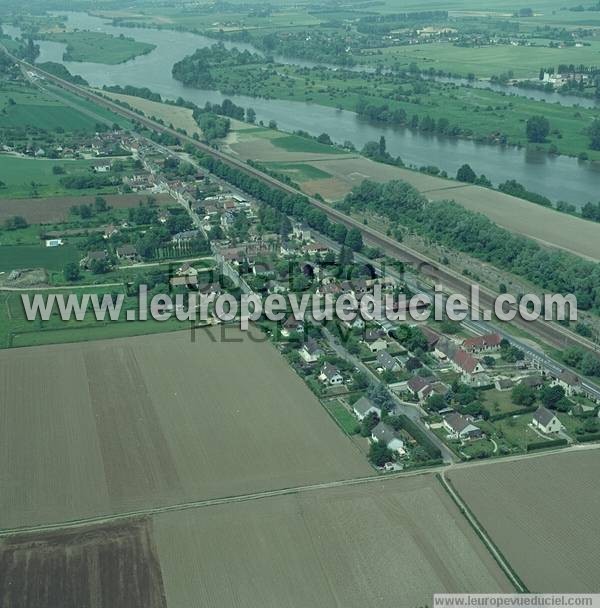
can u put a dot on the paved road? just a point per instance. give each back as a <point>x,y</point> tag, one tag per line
<point>412,411</point>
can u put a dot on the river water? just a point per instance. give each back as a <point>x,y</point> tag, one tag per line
<point>557,177</point>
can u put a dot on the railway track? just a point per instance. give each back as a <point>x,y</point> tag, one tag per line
<point>550,333</point>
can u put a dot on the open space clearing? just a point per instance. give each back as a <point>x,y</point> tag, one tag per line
<point>97,47</point>
<point>393,542</point>
<point>112,565</point>
<point>56,209</point>
<point>119,425</point>
<point>540,513</point>
<point>180,118</point>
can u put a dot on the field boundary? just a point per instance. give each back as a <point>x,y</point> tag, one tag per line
<point>482,533</point>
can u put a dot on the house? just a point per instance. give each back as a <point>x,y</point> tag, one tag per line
<point>301,232</point>
<point>311,351</point>
<point>187,270</point>
<point>384,433</point>
<point>211,288</point>
<point>316,249</point>
<point>481,344</point>
<point>532,381</point>
<point>569,381</point>
<point>387,362</point>
<point>127,252</point>
<point>356,323</point>
<point>546,421</point>
<point>417,383</point>
<point>461,427</point>
<point>102,166</point>
<point>374,340</point>
<point>185,236</point>
<point>291,325</point>
<point>503,384</point>
<point>330,375</point>
<point>431,336</point>
<point>377,345</point>
<point>364,406</point>
<point>110,231</point>
<point>93,256</point>
<point>468,365</point>
<point>54,242</point>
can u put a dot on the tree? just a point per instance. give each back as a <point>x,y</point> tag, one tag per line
<point>523,395</point>
<point>354,239</point>
<point>594,133</point>
<point>16,223</point>
<point>551,395</point>
<point>537,129</point>
<point>379,453</point>
<point>466,174</point>
<point>72,272</point>
<point>250,115</point>
<point>369,422</point>
<point>100,266</point>
<point>590,365</point>
<point>346,257</point>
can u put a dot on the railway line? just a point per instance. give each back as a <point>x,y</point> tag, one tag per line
<point>550,333</point>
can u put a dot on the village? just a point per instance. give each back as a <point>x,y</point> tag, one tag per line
<point>409,394</point>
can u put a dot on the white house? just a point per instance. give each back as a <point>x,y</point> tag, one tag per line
<point>330,375</point>
<point>54,242</point>
<point>364,406</point>
<point>546,421</point>
<point>461,427</point>
<point>383,433</point>
<point>311,351</point>
<point>569,381</point>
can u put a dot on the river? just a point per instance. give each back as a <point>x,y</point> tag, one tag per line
<point>557,177</point>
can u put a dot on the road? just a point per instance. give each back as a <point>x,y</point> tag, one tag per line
<point>548,332</point>
<point>412,411</point>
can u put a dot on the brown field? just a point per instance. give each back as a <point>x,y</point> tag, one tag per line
<point>547,226</point>
<point>180,118</point>
<point>113,426</point>
<point>391,543</point>
<point>541,515</point>
<point>111,566</point>
<point>56,209</point>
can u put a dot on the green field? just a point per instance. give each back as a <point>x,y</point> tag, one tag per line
<point>97,47</point>
<point>295,143</point>
<point>484,61</point>
<point>298,171</point>
<point>22,106</point>
<point>19,173</point>
<point>15,257</point>
<point>342,416</point>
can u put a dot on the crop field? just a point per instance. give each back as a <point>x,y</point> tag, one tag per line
<point>32,108</point>
<point>56,209</point>
<point>486,61</point>
<point>180,118</point>
<point>113,565</point>
<point>29,177</point>
<point>118,425</point>
<point>98,47</point>
<point>539,513</point>
<point>300,172</point>
<point>16,257</point>
<point>547,226</point>
<point>353,547</point>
